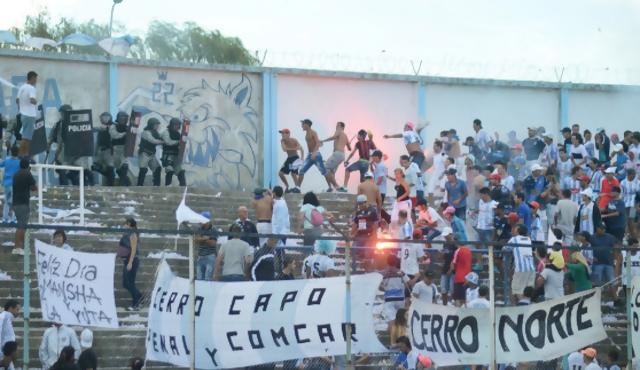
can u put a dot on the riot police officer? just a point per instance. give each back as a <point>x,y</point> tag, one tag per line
<point>56,135</point>
<point>103,161</point>
<point>170,160</point>
<point>149,139</point>
<point>118,133</point>
<point>13,130</point>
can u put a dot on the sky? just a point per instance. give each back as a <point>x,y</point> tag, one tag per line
<point>595,41</point>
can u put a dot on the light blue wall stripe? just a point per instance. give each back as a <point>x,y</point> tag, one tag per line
<point>273,132</point>
<point>564,108</point>
<point>422,111</point>
<point>267,128</point>
<point>113,88</point>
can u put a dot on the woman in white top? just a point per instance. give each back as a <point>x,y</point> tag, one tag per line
<point>578,153</point>
<point>309,203</point>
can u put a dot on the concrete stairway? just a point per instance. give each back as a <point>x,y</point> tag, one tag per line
<point>154,208</point>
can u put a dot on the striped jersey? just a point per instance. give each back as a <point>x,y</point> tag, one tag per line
<point>485,215</point>
<point>585,218</point>
<point>393,281</point>
<point>537,232</point>
<point>629,191</point>
<point>472,294</point>
<point>551,154</point>
<point>587,252</point>
<point>508,182</point>
<point>565,170</point>
<point>596,181</point>
<point>522,256</point>
<point>573,185</point>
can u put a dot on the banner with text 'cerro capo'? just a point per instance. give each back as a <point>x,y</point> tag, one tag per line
<point>539,332</point>
<point>251,323</point>
<point>76,288</point>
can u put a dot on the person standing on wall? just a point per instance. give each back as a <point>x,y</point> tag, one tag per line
<point>149,140</point>
<point>118,133</point>
<point>340,140</point>
<point>23,185</point>
<point>412,141</point>
<point>262,203</point>
<point>11,311</point>
<point>170,161</point>
<point>11,166</point>
<point>103,161</point>
<point>314,157</point>
<point>27,104</point>
<point>364,147</point>
<point>129,251</point>
<point>290,146</point>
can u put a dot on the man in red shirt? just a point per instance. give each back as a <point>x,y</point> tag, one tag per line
<point>607,184</point>
<point>462,264</point>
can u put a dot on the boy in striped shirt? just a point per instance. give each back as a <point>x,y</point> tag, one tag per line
<point>573,183</point>
<point>596,175</point>
<point>485,216</point>
<point>524,269</point>
<point>564,165</point>
<point>630,187</point>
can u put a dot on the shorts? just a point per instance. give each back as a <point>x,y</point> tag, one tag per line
<point>28,125</point>
<point>286,166</point>
<point>420,194</point>
<point>334,160</point>
<point>631,213</point>
<point>417,158</point>
<point>600,271</point>
<point>22,216</point>
<point>318,162</point>
<point>459,292</point>
<point>391,308</point>
<point>617,233</point>
<point>407,290</point>
<point>399,206</point>
<point>362,166</point>
<point>522,280</point>
<point>446,284</point>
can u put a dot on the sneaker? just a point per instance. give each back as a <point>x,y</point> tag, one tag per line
<point>342,189</point>
<point>296,190</point>
<point>477,268</point>
<point>18,251</point>
<point>330,190</point>
<point>288,191</point>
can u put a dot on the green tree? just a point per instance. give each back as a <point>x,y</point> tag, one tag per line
<point>163,40</point>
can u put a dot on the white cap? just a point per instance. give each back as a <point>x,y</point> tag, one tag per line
<point>536,167</point>
<point>494,204</point>
<point>368,175</point>
<point>86,338</point>
<point>610,170</point>
<point>447,231</point>
<point>616,148</point>
<point>361,198</point>
<point>548,134</point>
<point>599,129</point>
<point>472,277</point>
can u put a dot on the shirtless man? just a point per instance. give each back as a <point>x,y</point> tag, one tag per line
<point>340,140</point>
<point>290,146</point>
<point>313,157</point>
<point>263,205</point>
<point>412,141</point>
<point>371,190</point>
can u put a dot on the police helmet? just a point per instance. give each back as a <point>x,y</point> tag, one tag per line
<point>65,108</point>
<point>105,117</point>
<point>175,122</point>
<point>152,122</point>
<point>122,116</point>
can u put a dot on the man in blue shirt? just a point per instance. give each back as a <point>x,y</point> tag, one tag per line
<point>602,271</point>
<point>614,215</point>
<point>457,190</point>
<point>524,212</point>
<point>11,166</point>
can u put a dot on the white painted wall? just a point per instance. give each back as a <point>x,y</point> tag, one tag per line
<point>615,111</point>
<point>382,107</point>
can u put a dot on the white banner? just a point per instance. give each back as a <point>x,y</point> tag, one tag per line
<point>540,332</point>
<point>251,323</point>
<point>76,288</point>
<point>635,312</point>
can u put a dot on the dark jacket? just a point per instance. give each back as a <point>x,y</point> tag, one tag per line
<point>597,217</point>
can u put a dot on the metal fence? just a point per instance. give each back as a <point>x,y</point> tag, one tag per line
<point>116,347</point>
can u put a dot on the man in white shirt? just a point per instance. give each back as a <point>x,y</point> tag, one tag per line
<point>425,290</point>
<point>54,340</point>
<point>379,173</point>
<point>439,159</point>
<point>11,311</point>
<point>481,301</point>
<point>429,221</point>
<point>280,223</point>
<point>27,104</point>
<point>414,178</point>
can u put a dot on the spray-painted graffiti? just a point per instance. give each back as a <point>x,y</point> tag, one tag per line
<point>222,148</point>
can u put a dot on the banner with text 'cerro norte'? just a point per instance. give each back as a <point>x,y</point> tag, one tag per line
<point>539,332</point>
<point>251,323</point>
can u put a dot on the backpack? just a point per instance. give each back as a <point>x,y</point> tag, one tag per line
<point>316,219</point>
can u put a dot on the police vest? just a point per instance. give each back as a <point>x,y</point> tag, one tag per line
<point>18,127</point>
<point>147,146</point>
<point>123,140</point>
<point>104,138</point>
<point>172,149</point>
<point>55,129</point>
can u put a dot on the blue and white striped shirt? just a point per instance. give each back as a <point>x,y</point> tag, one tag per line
<point>587,252</point>
<point>565,169</point>
<point>485,215</point>
<point>586,218</point>
<point>406,231</point>
<point>537,233</point>
<point>629,191</point>
<point>522,256</point>
<point>596,181</point>
<point>574,186</point>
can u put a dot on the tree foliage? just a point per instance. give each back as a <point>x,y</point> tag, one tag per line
<point>163,40</point>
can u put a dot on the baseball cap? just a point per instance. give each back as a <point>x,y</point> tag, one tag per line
<point>511,133</point>
<point>513,216</point>
<point>590,352</point>
<point>518,146</point>
<point>616,148</point>
<point>206,215</point>
<point>307,121</point>
<point>417,232</point>
<point>258,190</point>
<point>499,205</point>
<point>447,231</point>
<point>472,158</point>
<point>599,129</point>
<point>472,277</point>
<point>567,129</point>
<point>588,192</point>
<point>495,177</point>
<point>584,178</point>
<point>377,153</point>
<point>284,131</point>
<point>450,210</point>
<point>548,134</point>
<point>614,137</point>
<point>451,171</point>
<point>610,170</point>
<point>361,199</point>
<point>428,274</point>
<point>86,338</point>
<point>536,167</point>
<point>425,361</point>
<point>534,128</point>
<point>368,175</point>
<point>535,205</point>
<point>409,124</point>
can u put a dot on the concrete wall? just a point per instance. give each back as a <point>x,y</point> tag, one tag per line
<point>616,111</point>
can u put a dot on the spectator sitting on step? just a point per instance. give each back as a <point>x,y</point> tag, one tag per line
<point>11,166</point>
<point>55,341</point>
<point>10,356</point>
<point>60,240</point>
<point>247,227</point>
<point>236,255</point>
<point>88,359</point>
<point>67,360</point>
<point>11,311</point>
